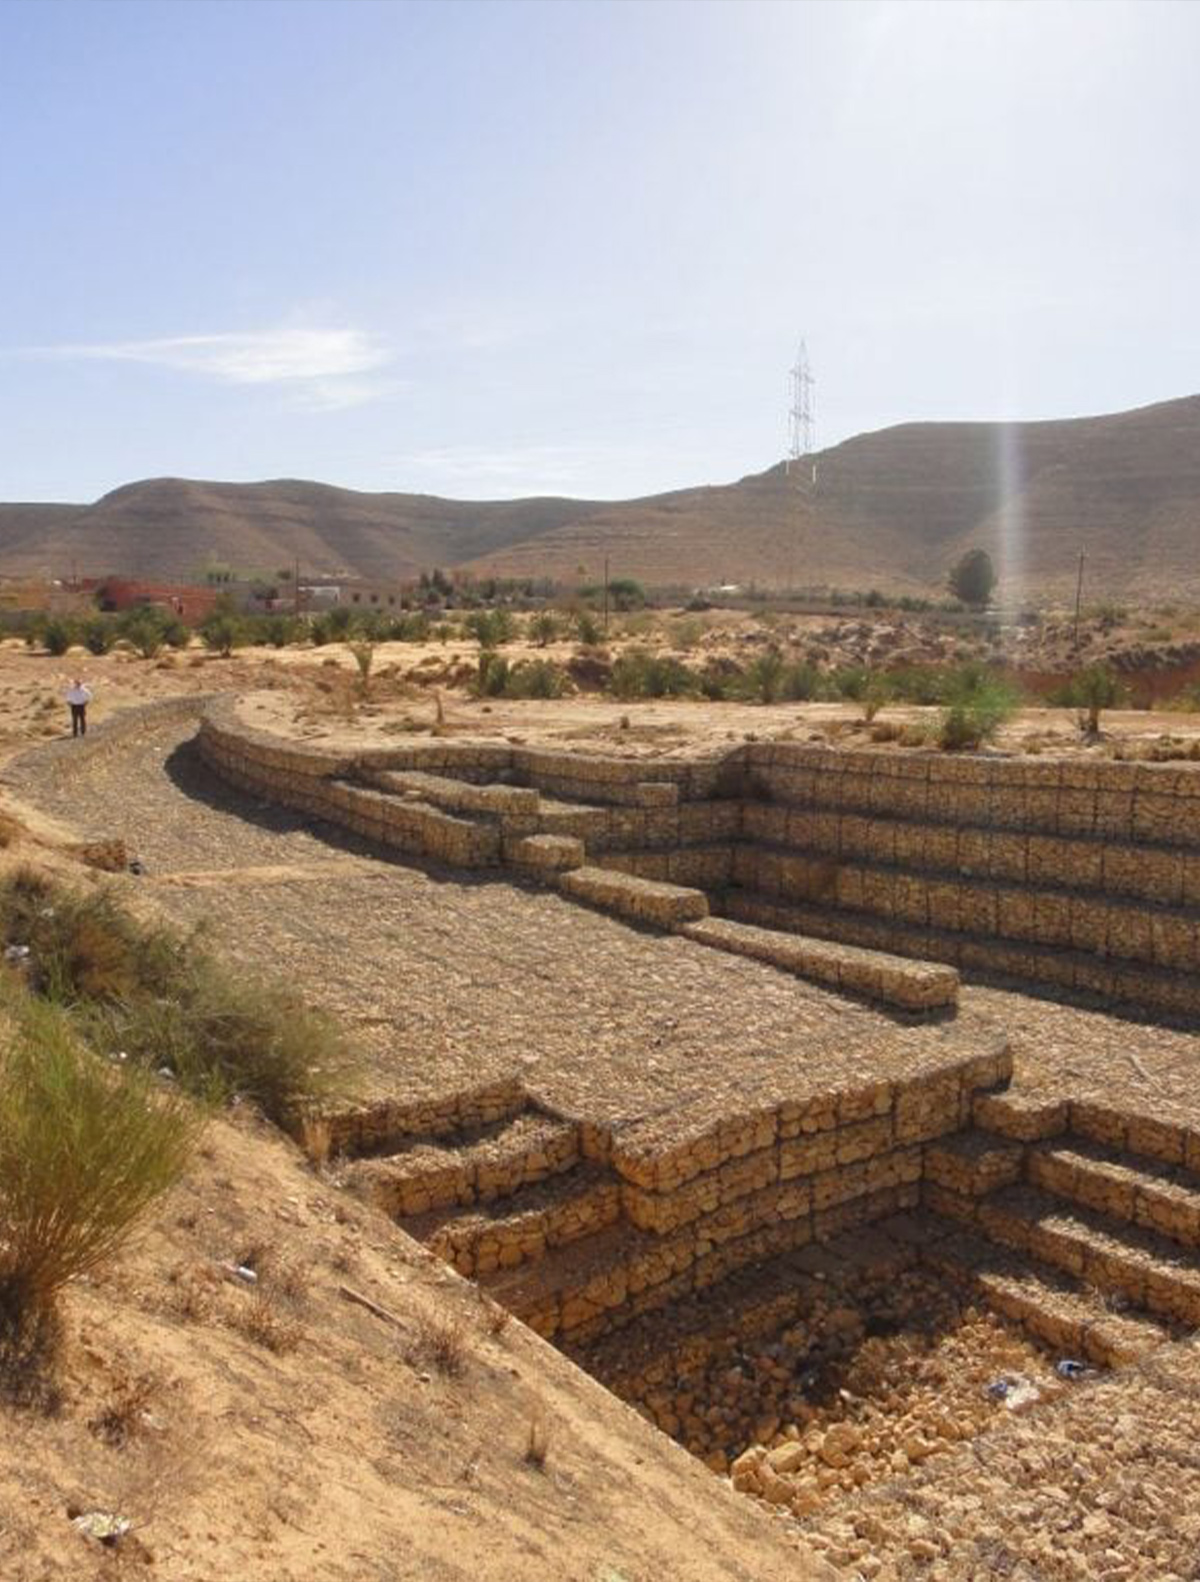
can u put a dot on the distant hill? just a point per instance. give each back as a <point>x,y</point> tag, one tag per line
<point>891,509</point>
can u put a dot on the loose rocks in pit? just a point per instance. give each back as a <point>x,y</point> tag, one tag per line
<point>858,1388</point>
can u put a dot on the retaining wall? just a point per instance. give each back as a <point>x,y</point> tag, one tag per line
<point>1078,875</point>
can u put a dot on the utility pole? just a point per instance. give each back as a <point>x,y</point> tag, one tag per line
<point>1079,595</point>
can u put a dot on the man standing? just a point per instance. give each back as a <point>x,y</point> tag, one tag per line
<point>78,696</point>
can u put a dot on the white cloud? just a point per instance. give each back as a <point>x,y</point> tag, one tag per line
<point>325,369</point>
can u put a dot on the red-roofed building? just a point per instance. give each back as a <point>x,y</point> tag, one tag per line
<point>191,604</point>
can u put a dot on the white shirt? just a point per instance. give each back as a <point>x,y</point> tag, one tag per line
<point>79,694</point>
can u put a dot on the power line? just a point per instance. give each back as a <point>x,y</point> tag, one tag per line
<point>802,425</point>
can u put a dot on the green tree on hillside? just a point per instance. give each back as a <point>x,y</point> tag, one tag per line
<point>972,578</point>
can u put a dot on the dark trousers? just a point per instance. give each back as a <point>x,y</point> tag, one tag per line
<point>78,719</point>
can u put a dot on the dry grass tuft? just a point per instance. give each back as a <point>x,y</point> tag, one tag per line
<point>493,1317</point>
<point>124,1418</point>
<point>441,1343</point>
<point>537,1443</point>
<point>265,1321</point>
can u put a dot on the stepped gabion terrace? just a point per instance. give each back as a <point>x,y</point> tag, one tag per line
<point>753,1240</point>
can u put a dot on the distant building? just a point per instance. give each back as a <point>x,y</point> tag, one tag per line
<point>373,595</point>
<point>45,597</point>
<point>190,603</point>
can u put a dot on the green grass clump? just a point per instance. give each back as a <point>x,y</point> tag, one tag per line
<point>639,674</point>
<point>977,704</point>
<point>86,1148</point>
<point>224,1035</point>
<point>165,1000</point>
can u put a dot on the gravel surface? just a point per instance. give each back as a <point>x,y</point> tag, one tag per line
<point>448,979</point>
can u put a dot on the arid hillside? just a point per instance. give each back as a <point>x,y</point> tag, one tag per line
<point>172,527</point>
<point>891,509</point>
<point>894,509</point>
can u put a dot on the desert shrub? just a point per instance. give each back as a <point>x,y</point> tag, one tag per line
<point>86,1148</point>
<point>623,594</point>
<point>535,678</point>
<point>363,654</point>
<point>166,1001</point>
<point>320,631</point>
<point>977,704</point>
<point>764,677</point>
<point>176,633</point>
<point>544,627</point>
<point>415,628</point>
<point>99,635</point>
<point>491,677</point>
<point>340,619</point>
<point>721,679</point>
<point>143,631</point>
<point>587,629</point>
<point>81,947</point>
<point>849,682</point>
<point>280,630</point>
<point>800,683</point>
<point>1091,692</point>
<point>638,674</point>
<point>640,625</point>
<point>491,628</point>
<point>58,636</point>
<point>876,694</point>
<point>223,1034</point>
<point>684,635</point>
<point>221,633</point>
<point>920,684</point>
<point>1108,613</point>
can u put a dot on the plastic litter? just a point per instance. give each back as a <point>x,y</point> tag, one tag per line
<point>1070,1368</point>
<point>246,1273</point>
<point>138,867</point>
<point>1015,1390</point>
<point>16,952</point>
<point>104,1526</point>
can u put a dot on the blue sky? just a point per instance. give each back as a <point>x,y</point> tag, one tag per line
<point>569,247</point>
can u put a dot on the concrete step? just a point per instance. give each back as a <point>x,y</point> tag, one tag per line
<point>454,796</point>
<point>580,819</point>
<point>1081,862</point>
<point>642,900</point>
<point>415,827</point>
<point>700,867</point>
<point>524,1227</point>
<point>1024,910</point>
<point>973,1163</point>
<point>1055,1307</point>
<point>477,1167</point>
<point>918,986</point>
<point>1097,978</point>
<point>1139,1266</point>
<point>1141,1192</point>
